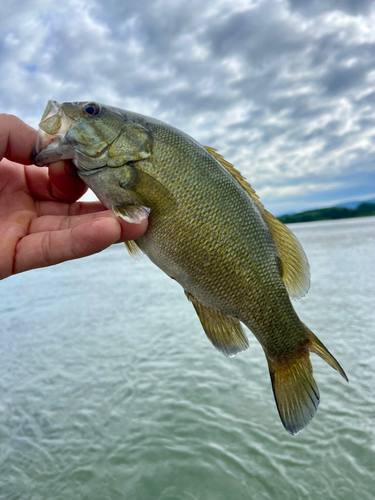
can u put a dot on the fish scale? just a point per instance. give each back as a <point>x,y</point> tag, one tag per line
<point>207,230</point>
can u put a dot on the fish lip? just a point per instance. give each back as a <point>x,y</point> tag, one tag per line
<point>44,142</point>
<point>52,108</point>
<point>50,145</point>
<point>49,148</point>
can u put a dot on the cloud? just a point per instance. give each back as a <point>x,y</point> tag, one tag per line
<point>284,89</point>
<point>314,7</point>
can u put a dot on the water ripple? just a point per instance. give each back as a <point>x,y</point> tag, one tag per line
<point>109,388</point>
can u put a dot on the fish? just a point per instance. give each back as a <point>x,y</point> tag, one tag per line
<point>207,229</point>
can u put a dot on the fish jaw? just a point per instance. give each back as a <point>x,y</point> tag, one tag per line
<point>67,133</point>
<point>51,144</point>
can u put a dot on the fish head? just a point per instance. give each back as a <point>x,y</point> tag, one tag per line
<point>90,134</point>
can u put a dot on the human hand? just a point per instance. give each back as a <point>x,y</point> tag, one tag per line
<point>41,224</point>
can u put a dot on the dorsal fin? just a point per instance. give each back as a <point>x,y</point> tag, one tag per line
<point>235,173</point>
<point>295,267</point>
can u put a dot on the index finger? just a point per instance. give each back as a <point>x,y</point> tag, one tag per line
<point>16,139</point>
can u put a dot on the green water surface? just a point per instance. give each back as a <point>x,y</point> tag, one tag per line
<point>109,388</point>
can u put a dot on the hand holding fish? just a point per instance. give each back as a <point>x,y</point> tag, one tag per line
<point>41,223</point>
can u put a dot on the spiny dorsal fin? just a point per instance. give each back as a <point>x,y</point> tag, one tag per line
<point>236,174</point>
<point>225,333</point>
<point>295,267</point>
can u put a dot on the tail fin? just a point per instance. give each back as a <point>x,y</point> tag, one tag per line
<point>294,387</point>
<point>295,391</point>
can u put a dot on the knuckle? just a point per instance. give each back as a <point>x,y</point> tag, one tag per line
<point>46,249</point>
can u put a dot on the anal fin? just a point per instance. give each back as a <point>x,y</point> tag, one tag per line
<point>224,332</point>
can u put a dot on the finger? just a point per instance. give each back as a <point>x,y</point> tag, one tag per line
<point>16,144</point>
<point>38,182</point>
<point>49,248</point>
<point>58,223</point>
<point>16,139</point>
<point>55,183</point>
<point>45,207</point>
<point>37,179</point>
<point>65,183</point>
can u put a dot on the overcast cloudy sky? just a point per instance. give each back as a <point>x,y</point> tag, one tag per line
<point>285,90</point>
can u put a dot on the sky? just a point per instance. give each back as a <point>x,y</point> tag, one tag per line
<point>284,89</point>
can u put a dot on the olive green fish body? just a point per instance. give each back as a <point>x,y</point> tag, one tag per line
<point>207,230</point>
<point>234,270</point>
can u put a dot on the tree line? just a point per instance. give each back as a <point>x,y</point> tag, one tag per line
<point>363,210</point>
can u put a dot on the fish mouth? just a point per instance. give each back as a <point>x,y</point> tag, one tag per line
<point>50,145</point>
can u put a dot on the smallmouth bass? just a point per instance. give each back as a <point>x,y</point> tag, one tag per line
<point>207,230</point>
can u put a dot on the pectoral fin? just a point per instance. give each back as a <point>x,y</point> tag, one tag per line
<point>132,213</point>
<point>225,333</point>
<point>148,190</point>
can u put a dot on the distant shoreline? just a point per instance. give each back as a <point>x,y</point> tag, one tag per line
<point>363,210</point>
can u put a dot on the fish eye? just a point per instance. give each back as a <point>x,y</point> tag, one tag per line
<point>91,109</point>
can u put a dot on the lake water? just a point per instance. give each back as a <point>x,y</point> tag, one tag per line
<point>109,388</point>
